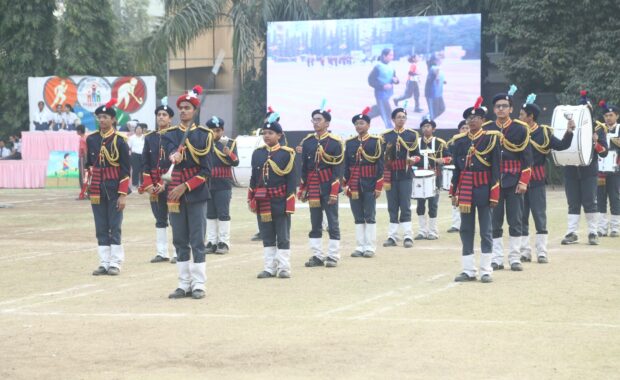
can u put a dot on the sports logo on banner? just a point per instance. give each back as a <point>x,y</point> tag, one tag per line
<point>93,92</point>
<point>86,93</point>
<point>58,92</point>
<point>130,92</point>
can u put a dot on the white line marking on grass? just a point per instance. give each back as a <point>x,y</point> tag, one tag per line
<point>311,319</point>
<point>57,292</point>
<point>405,301</point>
<point>169,272</point>
<point>50,301</point>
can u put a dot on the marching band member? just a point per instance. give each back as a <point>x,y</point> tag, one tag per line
<point>609,180</point>
<point>188,145</point>
<point>363,178</point>
<point>516,158</point>
<point>476,187</point>
<point>535,199</point>
<point>271,196</point>
<point>283,142</point>
<point>401,153</point>
<point>223,158</point>
<point>580,186</point>
<point>456,214</point>
<point>156,163</point>
<point>107,156</point>
<point>322,157</point>
<point>435,154</point>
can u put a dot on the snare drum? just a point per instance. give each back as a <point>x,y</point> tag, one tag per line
<point>245,148</point>
<point>423,184</point>
<point>580,151</point>
<point>446,176</point>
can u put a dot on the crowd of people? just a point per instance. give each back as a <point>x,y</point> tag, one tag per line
<point>498,173</point>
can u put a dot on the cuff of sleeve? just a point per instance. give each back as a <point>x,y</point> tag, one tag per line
<point>290,204</point>
<point>379,185</point>
<point>447,160</point>
<point>147,181</point>
<point>334,189</point>
<point>232,156</point>
<point>494,196</point>
<point>599,148</point>
<point>250,193</point>
<point>525,176</point>
<point>194,182</point>
<point>416,159</point>
<point>123,186</point>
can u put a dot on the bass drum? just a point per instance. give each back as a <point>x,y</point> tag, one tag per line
<point>580,151</point>
<point>245,147</point>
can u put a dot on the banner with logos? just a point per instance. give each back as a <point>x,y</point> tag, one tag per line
<point>136,100</point>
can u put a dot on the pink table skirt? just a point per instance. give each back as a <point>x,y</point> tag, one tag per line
<point>37,145</point>
<point>22,174</point>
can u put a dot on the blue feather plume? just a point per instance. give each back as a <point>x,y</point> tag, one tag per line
<point>323,103</point>
<point>512,90</point>
<point>405,104</point>
<point>273,117</point>
<point>164,101</point>
<point>215,120</point>
<point>531,98</point>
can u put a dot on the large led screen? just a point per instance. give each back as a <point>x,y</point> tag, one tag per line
<point>431,64</point>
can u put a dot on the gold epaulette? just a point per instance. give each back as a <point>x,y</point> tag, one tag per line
<point>352,138</point>
<point>148,133</point>
<point>306,138</point>
<point>333,136</point>
<point>121,135</point>
<point>600,125</point>
<point>441,141</point>
<point>288,149</point>
<point>487,123</point>
<point>522,123</point>
<point>547,127</point>
<point>456,137</point>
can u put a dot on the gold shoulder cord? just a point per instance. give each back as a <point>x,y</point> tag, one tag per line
<point>222,156</point>
<point>375,157</point>
<point>413,145</point>
<point>328,158</point>
<point>516,148</point>
<point>197,153</point>
<point>489,148</point>
<point>287,169</point>
<point>544,147</point>
<point>110,157</point>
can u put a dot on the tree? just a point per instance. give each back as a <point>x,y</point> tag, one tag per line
<point>550,47</point>
<point>26,49</point>
<point>88,39</point>
<point>185,20</point>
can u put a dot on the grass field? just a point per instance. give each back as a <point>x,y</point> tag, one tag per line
<point>396,316</point>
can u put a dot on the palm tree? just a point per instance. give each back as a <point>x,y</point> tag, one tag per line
<point>185,20</point>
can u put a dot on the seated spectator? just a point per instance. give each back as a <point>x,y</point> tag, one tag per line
<point>16,147</point>
<point>57,119</point>
<point>70,118</point>
<point>5,152</point>
<point>41,118</point>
